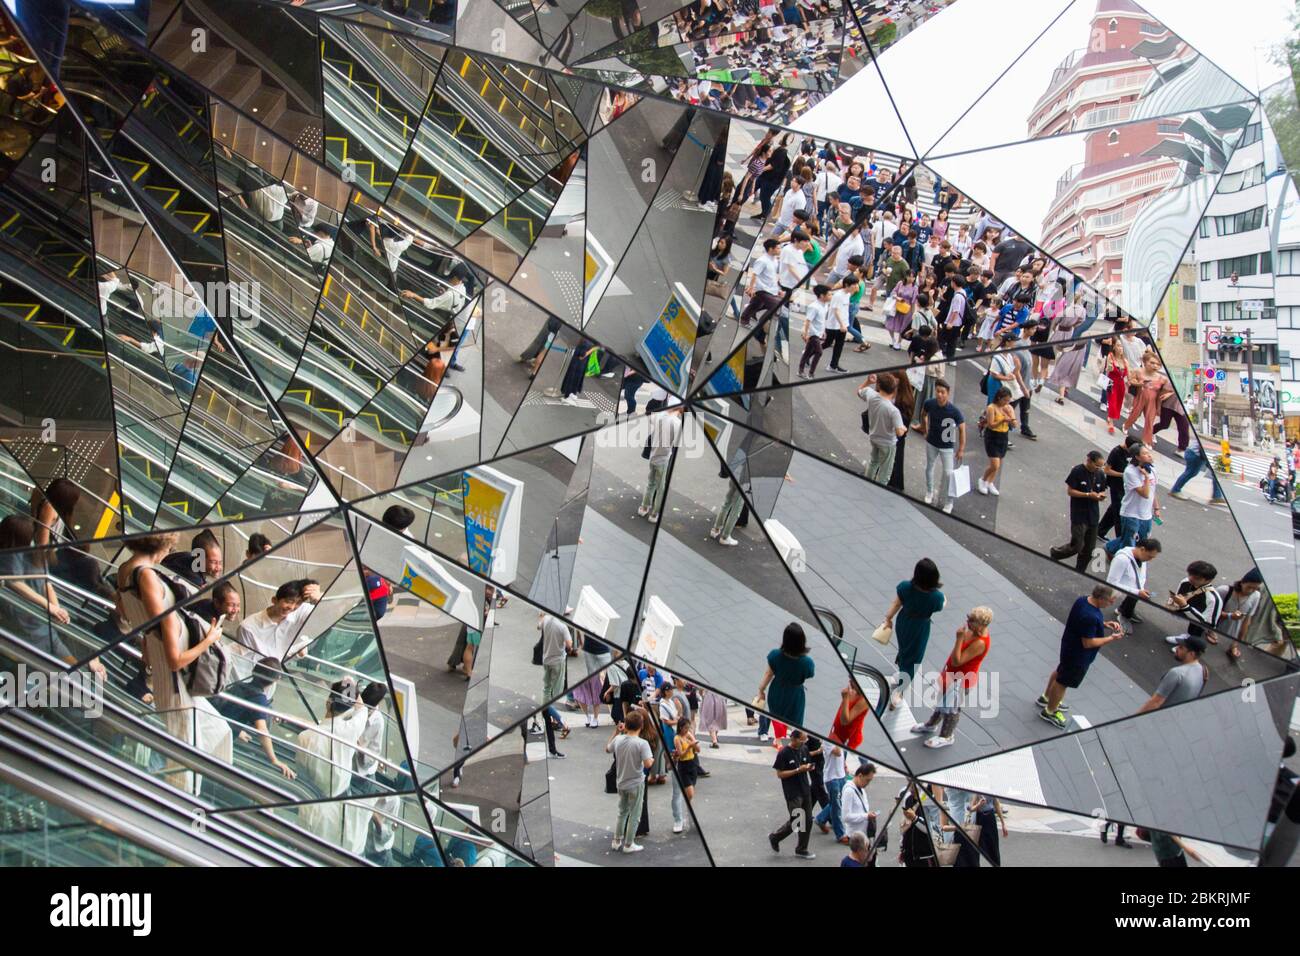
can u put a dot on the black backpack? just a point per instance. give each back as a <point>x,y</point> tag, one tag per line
<point>209,674</point>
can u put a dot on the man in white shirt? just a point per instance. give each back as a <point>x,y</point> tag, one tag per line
<point>764,290</point>
<point>370,745</point>
<point>855,808</point>
<point>274,632</point>
<point>835,776</point>
<point>319,249</point>
<point>851,246</point>
<point>826,185</point>
<point>1128,573</point>
<point>1139,507</point>
<point>792,200</point>
<point>814,328</point>
<point>451,299</point>
<point>793,265</point>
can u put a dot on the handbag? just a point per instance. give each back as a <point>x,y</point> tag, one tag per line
<point>891,305</point>
<point>903,306</point>
<point>946,853</point>
<point>959,482</point>
<point>916,375</point>
<point>1103,381</point>
<point>883,633</point>
<point>758,701</point>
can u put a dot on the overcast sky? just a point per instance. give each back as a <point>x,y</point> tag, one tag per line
<point>1018,182</point>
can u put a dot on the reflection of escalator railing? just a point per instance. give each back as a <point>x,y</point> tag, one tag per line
<point>874,684</point>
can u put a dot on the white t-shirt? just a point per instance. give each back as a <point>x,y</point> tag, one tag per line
<point>837,317</point>
<point>825,183</point>
<point>852,246</point>
<point>816,318</point>
<point>793,266</point>
<point>791,203</point>
<point>764,270</point>
<point>1134,505</point>
<point>1126,572</point>
<point>275,639</point>
<point>834,767</point>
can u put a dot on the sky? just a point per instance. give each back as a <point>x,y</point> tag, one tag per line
<point>1017,182</point>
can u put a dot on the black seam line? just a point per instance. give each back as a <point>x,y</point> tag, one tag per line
<point>220,523</point>
<point>967,522</point>
<point>1087,130</point>
<point>474,828</point>
<point>761,322</point>
<point>871,53</point>
<point>959,836</point>
<point>640,224</point>
<point>1128,809</point>
<point>415,485</point>
<point>804,597</point>
<point>849,376</point>
<point>413,762</point>
<point>354,200</point>
<point>1197,51</point>
<point>191,600</point>
<point>1232,152</point>
<point>483,228</point>
<point>749,35</point>
<point>1074,811</point>
<point>127,192</point>
<point>643,94</point>
<point>1110,304</point>
<point>998,79</point>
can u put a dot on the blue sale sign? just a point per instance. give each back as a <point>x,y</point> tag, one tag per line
<point>667,346</point>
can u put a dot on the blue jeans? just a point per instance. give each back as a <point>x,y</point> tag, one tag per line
<point>1130,530</point>
<point>855,330</point>
<point>1194,461</point>
<point>831,812</point>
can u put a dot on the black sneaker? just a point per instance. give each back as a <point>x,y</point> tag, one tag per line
<point>774,843</point>
<point>1042,702</point>
<point>1120,841</point>
<point>1134,619</point>
<point>805,854</point>
<point>1028,433</point>
<point>555,754</point>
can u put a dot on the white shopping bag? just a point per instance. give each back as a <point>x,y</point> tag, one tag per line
<point>959,482</point>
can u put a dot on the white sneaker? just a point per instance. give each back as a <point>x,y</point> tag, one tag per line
<point>925,728</point>
<point>678,827</point>
<point>934,743</point>
<point>714,532</point>
<point>642,511</point>
<point>993,490</point>
<point>983,486</point>
<point>764,737</point>
<point>947,509</point>
<point>1173,640</point>
<point>654,519</point>
<point>616,845</point>
<point>633,848</point>
<point>728,542</point>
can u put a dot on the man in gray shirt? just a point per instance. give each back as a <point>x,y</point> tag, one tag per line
<point>632,757</point>
<point>883,423</point>
<point>556,643</point>
<point>1184,682</point>
<point>665,430</point>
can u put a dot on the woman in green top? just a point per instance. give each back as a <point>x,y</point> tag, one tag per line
<point>915,602</point>
<point>787,668</point>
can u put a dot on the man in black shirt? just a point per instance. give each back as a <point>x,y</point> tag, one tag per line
<point>1116,462</point>
<point>793,766</point>
<point>1007,256</point>
<point>1086,486</point>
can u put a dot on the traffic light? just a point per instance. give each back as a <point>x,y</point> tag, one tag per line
<point>1234,340</point>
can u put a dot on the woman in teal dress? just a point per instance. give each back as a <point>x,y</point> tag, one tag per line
<point>915,602</point>
<point>787,668</point>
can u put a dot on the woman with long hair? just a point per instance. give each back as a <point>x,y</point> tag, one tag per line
<point>999,419</point>
<point>1069,359</point>
<point>144,597</point>
<point>1153,388</point>
<point>1115,368</point>
<point>916,601</point>
<point>788,667</point>
<point>905,402</point>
